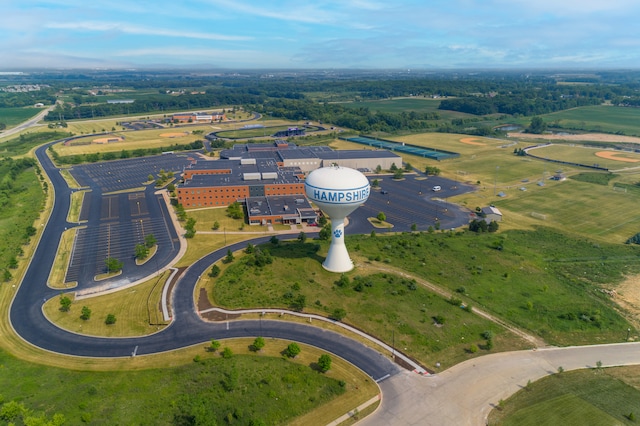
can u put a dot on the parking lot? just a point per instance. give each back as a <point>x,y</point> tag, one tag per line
<point>114,223</point>
<point>411,201</point>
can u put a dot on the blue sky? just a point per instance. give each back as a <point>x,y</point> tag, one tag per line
<point>240,34</point>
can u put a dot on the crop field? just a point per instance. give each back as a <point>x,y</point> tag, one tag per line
<point>602,118</point>
<point>584,397</point>
<point>14,116</point>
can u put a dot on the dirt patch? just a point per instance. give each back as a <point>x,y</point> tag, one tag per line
<point>472,141</point>
<point>612,155</point>
<point>173,135</point>
<point>108,140</point>
<point>628,297</point>
<point>596,137</point>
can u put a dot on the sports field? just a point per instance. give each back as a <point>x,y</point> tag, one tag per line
<point>610,159</point>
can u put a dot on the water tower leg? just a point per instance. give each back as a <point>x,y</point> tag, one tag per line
<point>337,258</point>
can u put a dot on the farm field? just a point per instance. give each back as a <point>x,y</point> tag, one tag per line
<point>14,116</point>
<point>601,118</point>
<point>585,397</point>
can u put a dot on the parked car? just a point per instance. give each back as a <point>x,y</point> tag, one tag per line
<point>436,188</point>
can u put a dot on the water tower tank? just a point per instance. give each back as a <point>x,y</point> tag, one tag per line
<point>338,191</point>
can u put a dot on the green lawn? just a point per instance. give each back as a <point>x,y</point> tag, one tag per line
<point>582,397</point>
<point>585,155</point>
<point>14,116</point>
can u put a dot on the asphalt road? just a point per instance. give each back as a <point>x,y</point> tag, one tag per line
<point>186,329</point>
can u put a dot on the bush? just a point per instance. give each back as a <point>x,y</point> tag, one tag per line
<point>292,350</point>
<point>111,319</point>
<point>85,313</point>
<point>227,352</point>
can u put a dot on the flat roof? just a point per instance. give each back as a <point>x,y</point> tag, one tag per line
<point>282,205</point>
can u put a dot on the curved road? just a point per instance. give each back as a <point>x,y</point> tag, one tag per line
<point>461,395</point>
<point>187,328</point>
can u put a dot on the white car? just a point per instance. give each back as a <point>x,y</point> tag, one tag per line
<point>436,188</point>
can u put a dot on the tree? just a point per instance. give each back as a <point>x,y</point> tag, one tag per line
<point>190,228</point>
<point>375,183</point>
<point>302,237</point>
<point>216,225</point>
<point>215,271</point>
<point>324,362</point>
<point>398,174</point>
<point>292,350</point>
<point>338,314</point>
<point>113,265</point>
<point>214,346</point>
<point>432,170</point>
<point>537,126</point>
<point>111,319</point>
<point>150,240</point>
<point>227,352</point>
<point>85,313</point>
<point>141,251</point>
<point>325,233</point>
<point>229,257</point>
<point>322,220</point>
<point>234,210</point>
<point>274,240</point>
<point>150,178</point>
<point>493,226</point>
<point>65,303</point>
<point>258,343</point>
<point>408,167</point>
<point>414,227</point>
<point>6,275</point>
<point>381,217</point>
<point>250,248</point>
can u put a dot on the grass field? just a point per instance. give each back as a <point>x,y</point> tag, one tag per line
<point>582,397</point>
<point>14,116</point>
<point>383,304</point>
<point>136,309</point>
<point>399,105</point>
<point>255,133</point>
<point>587,155</point>
<point>601,118</point>
<point>246,387</point>
<point>541,280</point>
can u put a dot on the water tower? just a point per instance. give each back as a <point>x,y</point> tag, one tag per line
<point>338,191</point>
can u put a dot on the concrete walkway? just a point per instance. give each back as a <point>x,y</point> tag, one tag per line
<point>466,393</point>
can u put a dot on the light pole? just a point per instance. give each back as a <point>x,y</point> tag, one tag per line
<point>628,331</point>
<point>495,182</point>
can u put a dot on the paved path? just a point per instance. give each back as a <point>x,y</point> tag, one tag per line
<point>465,393</point>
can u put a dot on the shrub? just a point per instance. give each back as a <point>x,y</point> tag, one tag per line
<point>227,352</point>
<point>292,350</point>
<point>111,319</point>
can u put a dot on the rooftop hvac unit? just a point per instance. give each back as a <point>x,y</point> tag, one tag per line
<point>269,175</point>
<point>251,176</point>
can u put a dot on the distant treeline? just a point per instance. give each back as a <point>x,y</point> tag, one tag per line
<point>23,99</point>
<point>515,105</point>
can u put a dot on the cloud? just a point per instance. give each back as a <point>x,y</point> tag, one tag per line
<point>138,30</point>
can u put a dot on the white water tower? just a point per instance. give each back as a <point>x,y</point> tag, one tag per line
<point>338,191</point>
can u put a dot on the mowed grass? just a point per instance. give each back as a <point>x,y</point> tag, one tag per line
<point>602,118</point>
<point>260,387</point>
<point>586,155</point>
<point>581,397</point>
<point>137,310</point>
<point>257,132</point>
<point>581,208</point>
<point>394,309</point>
<point>59,268</point>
